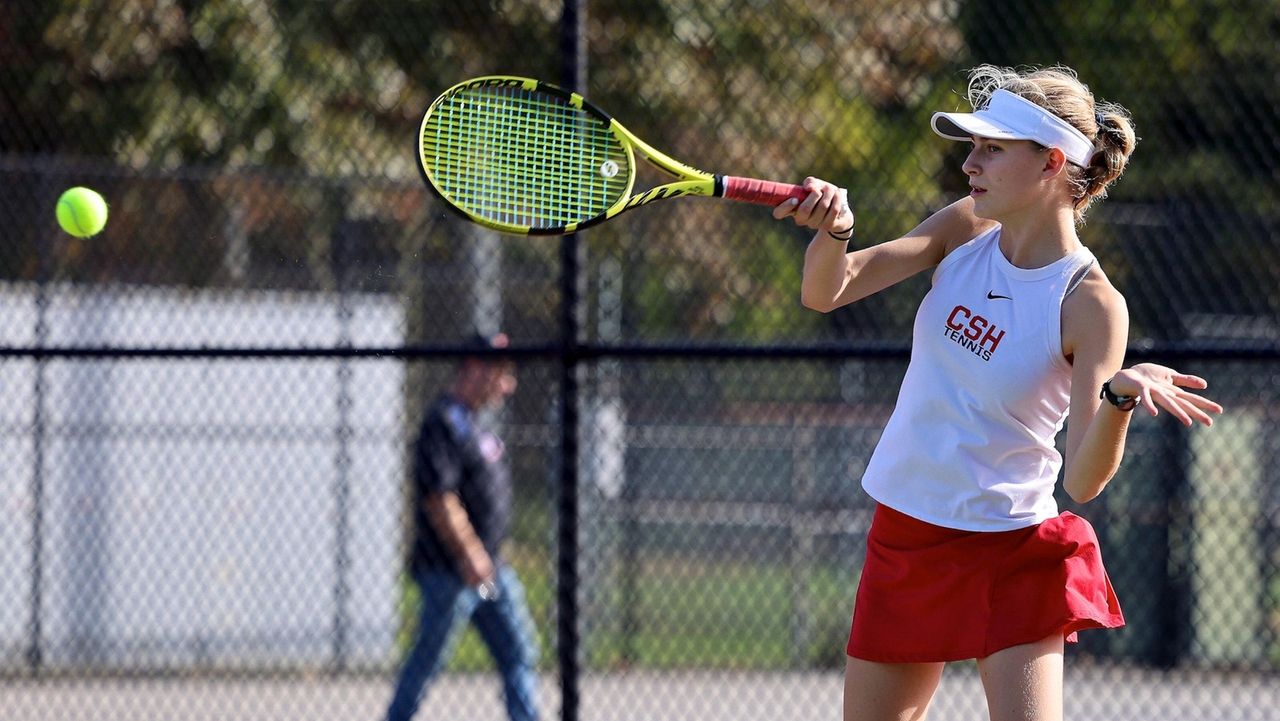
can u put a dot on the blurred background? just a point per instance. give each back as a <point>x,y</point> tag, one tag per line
<point>206,411</point>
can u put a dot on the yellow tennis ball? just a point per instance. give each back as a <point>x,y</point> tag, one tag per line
<point>82,212</point>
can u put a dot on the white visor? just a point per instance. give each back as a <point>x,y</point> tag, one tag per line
<point>1011,117</point>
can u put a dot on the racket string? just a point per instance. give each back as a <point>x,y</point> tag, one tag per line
<point>523,157</point>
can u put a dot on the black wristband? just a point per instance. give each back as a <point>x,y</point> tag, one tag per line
<point>842,238</point>
<point>1123,403</point>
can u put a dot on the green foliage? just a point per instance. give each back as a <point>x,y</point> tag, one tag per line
<point>250,103</point>
<point>1199,78</point>
<point>331,88</point>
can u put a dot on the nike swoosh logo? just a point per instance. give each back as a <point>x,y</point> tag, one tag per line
<point>991,295</point>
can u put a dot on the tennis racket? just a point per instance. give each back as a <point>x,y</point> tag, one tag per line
<point>521,156</point>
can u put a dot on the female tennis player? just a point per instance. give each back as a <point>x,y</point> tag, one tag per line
<point>968,555</point>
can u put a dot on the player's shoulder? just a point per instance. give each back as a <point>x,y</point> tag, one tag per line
<point>1095,297</point>
<point>956,224</point>
<point>1094,316</point>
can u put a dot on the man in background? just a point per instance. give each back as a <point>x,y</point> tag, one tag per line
<point>462,508</point>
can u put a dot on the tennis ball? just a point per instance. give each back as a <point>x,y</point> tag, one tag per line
<point>82,212</point>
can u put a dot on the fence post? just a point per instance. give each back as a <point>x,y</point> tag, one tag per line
<point>35,649</point>
<point>803,540</point>
<point>572,255</point>
<point>342,255</point>
<point>1175,616</point>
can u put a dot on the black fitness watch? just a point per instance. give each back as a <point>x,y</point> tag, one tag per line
<point>1124,403</point>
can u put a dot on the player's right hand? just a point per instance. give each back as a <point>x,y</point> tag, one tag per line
<point>826,208</point>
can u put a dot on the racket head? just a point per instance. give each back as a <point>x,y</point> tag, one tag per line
<point>525,157</point>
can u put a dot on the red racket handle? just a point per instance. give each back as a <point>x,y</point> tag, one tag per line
<point>761,192</point>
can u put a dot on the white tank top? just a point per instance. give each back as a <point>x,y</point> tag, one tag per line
<point>970,444</point>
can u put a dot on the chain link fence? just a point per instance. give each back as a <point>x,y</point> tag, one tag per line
<point>207,409</point>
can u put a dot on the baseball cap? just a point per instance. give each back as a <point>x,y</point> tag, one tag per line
<point>483,342</point>
<point>1012,117</point>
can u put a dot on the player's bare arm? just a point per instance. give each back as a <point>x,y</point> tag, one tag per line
<point>1095,329</point>
<point>834,277</point>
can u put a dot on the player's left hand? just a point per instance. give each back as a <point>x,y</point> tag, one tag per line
<point>1162,387</point>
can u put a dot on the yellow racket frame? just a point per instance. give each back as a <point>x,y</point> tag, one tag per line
<point>689,180</point>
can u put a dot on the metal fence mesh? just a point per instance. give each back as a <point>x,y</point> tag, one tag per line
<point>206,411</point>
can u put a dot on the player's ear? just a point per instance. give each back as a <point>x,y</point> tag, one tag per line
<point>1055,162</point>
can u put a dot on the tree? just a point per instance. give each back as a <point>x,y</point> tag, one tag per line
<point>1190,231</point>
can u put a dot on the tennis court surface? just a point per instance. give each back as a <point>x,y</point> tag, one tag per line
<point>1095,694</point>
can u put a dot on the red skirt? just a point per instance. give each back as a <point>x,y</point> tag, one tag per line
<point>931,594</point>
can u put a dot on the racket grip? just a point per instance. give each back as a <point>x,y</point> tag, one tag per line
<point>761,192</point>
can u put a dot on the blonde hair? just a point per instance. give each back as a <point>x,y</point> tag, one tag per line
<point>1058,89</point>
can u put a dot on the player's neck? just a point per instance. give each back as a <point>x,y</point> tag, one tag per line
<point>1034,240</point>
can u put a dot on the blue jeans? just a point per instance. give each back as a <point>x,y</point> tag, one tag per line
<point>504,625</point>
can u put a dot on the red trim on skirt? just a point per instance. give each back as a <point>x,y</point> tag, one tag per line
<point>930,594</point>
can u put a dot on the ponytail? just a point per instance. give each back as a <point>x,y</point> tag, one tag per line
<point>1114,142</point>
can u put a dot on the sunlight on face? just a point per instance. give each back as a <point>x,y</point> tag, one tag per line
<point>1004,175</point>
